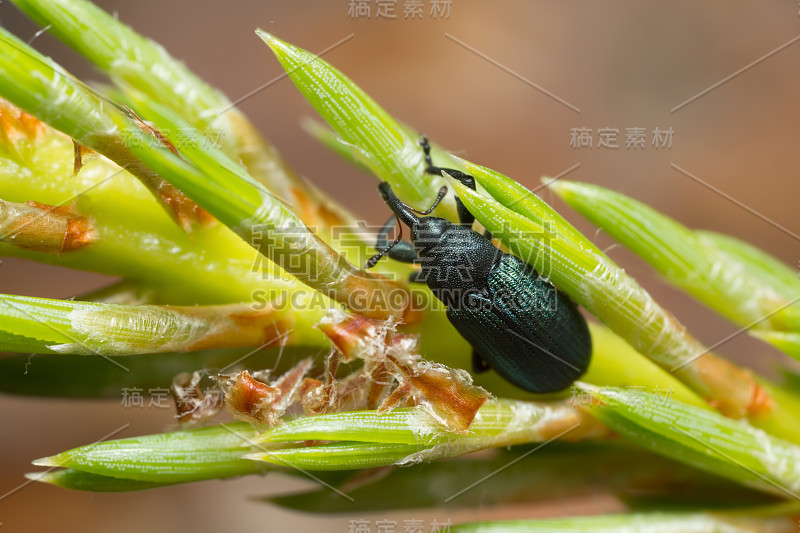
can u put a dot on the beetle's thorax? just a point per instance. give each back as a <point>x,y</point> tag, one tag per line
<point>454,260</point>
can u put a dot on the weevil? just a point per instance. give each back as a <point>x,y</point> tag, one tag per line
<point>517,322</point>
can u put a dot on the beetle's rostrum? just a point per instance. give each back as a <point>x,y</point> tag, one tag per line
<point>517,322</point>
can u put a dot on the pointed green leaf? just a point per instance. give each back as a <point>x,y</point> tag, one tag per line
<point>703,439</point>
<point>177,457</point>
<point>539,474</point>
<point>116,48</point>
<point>628,309</point>
<point>745,295</point>
<point>409,435</point>
<point>519,199</point>
<point>382,143</point>
<point>84,328</point>
<point>784,278</point>
<point>68,478</point>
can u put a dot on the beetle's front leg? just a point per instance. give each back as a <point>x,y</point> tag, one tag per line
<point>402,251</point>
<point>465,218</point>
<point>398,250</point>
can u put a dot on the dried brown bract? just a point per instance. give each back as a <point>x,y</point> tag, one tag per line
<point>255,401</point>
<point>446,394</point>
<point>394,375</point>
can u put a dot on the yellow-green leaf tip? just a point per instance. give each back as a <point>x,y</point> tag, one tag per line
<point>463,163</point>
<point>47,461</point>
<point>268,38</point>
<point>560,187</point>
<point>278,47</point>
<point>44,477</point>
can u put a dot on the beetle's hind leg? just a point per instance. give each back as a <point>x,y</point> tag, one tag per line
<point>479,364</point>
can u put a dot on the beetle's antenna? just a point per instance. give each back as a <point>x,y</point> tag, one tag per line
<point>442,193</point>
<point>372,261</point>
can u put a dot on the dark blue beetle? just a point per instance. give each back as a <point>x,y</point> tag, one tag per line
<point>517,322</point>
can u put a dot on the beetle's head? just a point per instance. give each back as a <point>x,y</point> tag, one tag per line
<point>427,232</point>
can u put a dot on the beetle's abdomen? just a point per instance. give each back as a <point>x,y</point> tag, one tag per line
<point>530,333</point>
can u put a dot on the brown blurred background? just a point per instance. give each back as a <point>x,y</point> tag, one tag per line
<point>623,64</point>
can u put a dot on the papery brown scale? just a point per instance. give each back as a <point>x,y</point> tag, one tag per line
<point>456,401</point>
<point>352,335</point>
<point>314,397</point>
<point>79,234</point>
<point>399,397</point>
<point>292,381</point>
<point>249,398</point>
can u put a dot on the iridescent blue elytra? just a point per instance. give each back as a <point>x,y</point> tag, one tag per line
<point>517,322</point>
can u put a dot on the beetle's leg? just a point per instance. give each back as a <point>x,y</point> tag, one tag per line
<point>465,218</point>
<point>465,179</point>
<point>479,364</point>
<point>398,249</point>
<point>404,252</point>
